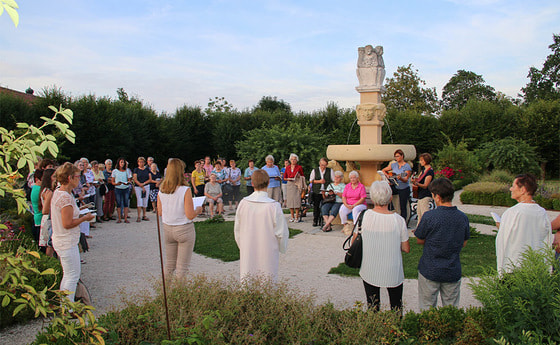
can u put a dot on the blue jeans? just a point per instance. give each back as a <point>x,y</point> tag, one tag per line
<point>121,195</point>
<point>330,209</point>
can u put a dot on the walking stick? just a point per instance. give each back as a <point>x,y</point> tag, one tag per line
<point>163,279</point>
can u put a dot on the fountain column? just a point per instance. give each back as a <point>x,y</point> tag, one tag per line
<point>370,153</point>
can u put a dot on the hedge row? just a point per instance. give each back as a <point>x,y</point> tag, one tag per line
<point>504,199</point>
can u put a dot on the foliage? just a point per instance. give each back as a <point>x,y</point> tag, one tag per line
<point>448,325</point>
<point>406,91</point>
<point>544,84</point>
<point>481,121</point>
<point>479,219</point>
<point>307,143</point>
<point>219,104</point>
<point>20,149</point>
<point>510,154</point>
<point>539,125</point>
<point>272,104</point>
<point>525,300</point>
<point>457,157</point>
<point>204,311</point>
<point>463,86</point>
<point>498,176</point>
<point>226,248</point>
<point>476,257</point>
<point>410,127</point>
<point>18,292</point>
<point>11,8</point>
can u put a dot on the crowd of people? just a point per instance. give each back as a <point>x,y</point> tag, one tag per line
<point>58,195</point>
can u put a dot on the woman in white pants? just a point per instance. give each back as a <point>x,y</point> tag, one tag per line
<point>353,200</point>
<point>66,220</point>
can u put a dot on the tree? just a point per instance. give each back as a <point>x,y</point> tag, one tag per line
<point>272,104</point>
<point>405,91</point>
<point>545,83</point>
<point>465,85</point>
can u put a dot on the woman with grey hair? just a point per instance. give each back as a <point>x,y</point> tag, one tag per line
<point>384,236</point>
<point>292,174</point>
<point>109,204</point>
<point>274,190</point>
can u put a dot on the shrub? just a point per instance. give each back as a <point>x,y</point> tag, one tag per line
<point>459,160</point>
<point>448,325</point>
<point>498,176</point>
<point>34,279</point>
<point>204,311</point>
<point>510,154</point>
<point>486,187</point>
<point>525,300</point>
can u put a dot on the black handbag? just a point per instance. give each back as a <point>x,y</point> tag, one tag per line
<point>354,252</point>
<point>329,198</point>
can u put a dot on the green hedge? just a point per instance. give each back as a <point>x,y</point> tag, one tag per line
<point>497,194</point>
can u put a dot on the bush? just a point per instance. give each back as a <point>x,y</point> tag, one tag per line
<point>525,300</point>
<point>498,176</point>
<point>38,282</point>
<point>204,311</point>
<point>510,154</point>
<point>459,160</point>
<point>448,325</point>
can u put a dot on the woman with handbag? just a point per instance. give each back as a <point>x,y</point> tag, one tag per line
<point>384,236</point>
<point>353,200</point>
<point>320,178</point>
<point>331,206</point>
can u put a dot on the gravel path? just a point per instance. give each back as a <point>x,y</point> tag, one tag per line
<point>124,258</point>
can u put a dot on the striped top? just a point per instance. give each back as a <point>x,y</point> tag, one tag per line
<point>382,235</point>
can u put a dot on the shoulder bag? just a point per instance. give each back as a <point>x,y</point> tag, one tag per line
<point>353,257</point>
<point>329,198</point>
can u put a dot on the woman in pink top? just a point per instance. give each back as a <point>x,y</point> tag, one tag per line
<point>353,200</point>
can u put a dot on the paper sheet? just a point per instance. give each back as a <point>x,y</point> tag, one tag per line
<point>496,217</point>
<point>198,201</point>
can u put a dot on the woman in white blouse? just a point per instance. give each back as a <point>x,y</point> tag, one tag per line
<point>175,206</point>
<point>384,236</point>
<point>66,220</point>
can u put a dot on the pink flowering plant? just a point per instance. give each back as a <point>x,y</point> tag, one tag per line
<point>450,173</point>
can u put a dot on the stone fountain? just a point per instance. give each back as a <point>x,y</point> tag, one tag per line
<point>370,153</point>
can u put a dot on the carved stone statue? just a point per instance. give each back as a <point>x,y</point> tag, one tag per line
<point>371,68</point>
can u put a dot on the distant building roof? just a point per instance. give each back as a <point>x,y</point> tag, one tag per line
<point>29,98</point>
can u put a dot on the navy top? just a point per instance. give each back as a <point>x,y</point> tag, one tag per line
<point>425,192</point>
<point>445,229</point>
<point>154,177</point>
<point>107,175</point>
<point>142,175</point>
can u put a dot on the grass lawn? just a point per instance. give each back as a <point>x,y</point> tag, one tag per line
<point>476,218</point>
<point>216,240</point>
<point>478,256</point>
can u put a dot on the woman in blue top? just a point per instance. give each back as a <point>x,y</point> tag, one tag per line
<point>121,179</point>
<point>401,172</point>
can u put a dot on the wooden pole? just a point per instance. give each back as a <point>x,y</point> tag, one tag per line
<point>163,279</point>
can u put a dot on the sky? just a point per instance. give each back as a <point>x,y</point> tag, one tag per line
<point>175,53</point>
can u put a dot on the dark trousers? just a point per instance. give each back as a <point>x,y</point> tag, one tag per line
<point>316,198</point>
<point>404,195</point>
<point>373,296</point>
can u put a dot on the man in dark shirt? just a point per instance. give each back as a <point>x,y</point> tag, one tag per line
<point>443,232</point>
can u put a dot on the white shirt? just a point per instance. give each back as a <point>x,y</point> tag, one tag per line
<point>313,177</point>
<point>382,235</point>
<point>173,207</point>
<point>523,225</point>
<point>63,238</point>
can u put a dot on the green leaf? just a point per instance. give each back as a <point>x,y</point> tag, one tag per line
<point>48,271</point>
<point>18,309</point>
<point>5,301</point>
<point>22,125</point>
<point>21,162</point>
